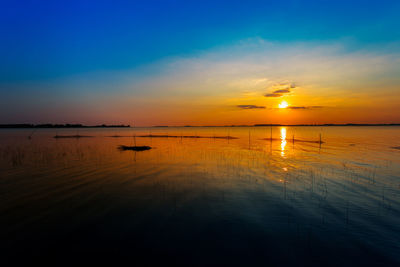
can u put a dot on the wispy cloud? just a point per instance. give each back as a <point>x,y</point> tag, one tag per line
<point>273,95</point>
<point>281,89</point>
<point>305,107</point>
<point>250,107</point>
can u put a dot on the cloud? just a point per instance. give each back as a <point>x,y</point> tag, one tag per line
<point>298,107</point>
<point>287,85</point>
<point>304,107</point>
<point>289,107</point>
<point>250,107</point>
<point>273,95</point>
<point>281,89</point>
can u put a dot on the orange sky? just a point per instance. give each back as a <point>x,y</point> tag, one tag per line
<point>238,85</point>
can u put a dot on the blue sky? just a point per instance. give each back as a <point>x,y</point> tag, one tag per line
<point>45,39</point>
<point>48,42</point>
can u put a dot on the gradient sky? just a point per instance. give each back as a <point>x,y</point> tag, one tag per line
<point>199,62</point>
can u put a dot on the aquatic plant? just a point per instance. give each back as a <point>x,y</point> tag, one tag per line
<point>134,148</point>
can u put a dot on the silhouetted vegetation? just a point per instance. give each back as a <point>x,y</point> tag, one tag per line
<point>295,140</point>
<point>134,148</point>
<point>49,125</point>
<point>330,124</point>
<point>185,136</point>
<point>72,136</point>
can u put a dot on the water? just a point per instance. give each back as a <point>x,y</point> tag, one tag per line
<point>202,201</point>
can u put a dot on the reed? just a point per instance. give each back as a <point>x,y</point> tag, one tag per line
<point>296,140</point>
<point>186,136</point>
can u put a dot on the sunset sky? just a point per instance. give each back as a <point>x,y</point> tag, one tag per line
<point>200,62</point>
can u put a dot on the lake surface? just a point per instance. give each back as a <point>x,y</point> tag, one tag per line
<point>202,201</point>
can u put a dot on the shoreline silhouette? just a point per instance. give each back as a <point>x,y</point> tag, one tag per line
<point>68,125</point>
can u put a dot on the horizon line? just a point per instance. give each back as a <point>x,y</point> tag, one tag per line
<point>68,125</point>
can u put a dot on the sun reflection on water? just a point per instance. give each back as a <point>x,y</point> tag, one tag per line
<point>283,141</point>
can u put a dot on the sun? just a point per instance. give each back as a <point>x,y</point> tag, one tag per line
<point>283,104</point>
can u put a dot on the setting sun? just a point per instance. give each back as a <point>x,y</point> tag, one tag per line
<point>283,104</point>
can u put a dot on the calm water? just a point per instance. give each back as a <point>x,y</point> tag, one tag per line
<point>212,201</point>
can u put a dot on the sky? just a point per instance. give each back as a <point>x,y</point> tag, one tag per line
<point>204,62</point>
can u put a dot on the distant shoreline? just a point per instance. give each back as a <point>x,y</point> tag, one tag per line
<point>332,124</point>
<point>306,125</point>
<point>57,126</point>
<point>5,126</point>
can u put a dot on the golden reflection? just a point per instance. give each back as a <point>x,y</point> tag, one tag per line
<point>283,141</point>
